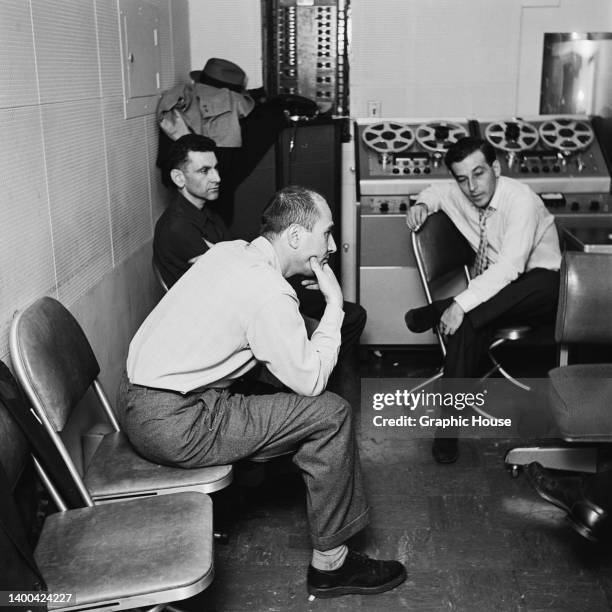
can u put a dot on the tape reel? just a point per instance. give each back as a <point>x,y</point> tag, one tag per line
<point>566,135</point>
<point>512,136</point>
<point>437,136</point>
<point>388,137</point>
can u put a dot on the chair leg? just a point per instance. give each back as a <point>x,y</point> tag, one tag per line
<point>431,379</point>
<point>498,368</point>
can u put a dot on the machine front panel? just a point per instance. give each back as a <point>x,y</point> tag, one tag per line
<point>559,157</point>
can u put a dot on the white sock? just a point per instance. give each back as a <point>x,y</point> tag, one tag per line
<point>329,560</point>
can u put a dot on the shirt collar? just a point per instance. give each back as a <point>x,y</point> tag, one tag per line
<point>265,247</point>
<point>190,209</point>
<point>495,202</point>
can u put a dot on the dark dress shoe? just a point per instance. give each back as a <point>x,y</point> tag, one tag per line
<point>588,519</point>
<point>419,320</point>
<point>445,450</point>
<point>561,492</point>
<point>357,575</point>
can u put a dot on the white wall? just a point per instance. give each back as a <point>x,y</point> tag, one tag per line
<point>439,58</point>
<point>79,188</point>
<point>230,29</point>
<point>421,58</point>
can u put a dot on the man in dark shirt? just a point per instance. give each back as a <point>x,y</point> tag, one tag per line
<point>189,227</point>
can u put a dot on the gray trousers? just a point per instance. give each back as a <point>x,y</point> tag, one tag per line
<point>218,426</point>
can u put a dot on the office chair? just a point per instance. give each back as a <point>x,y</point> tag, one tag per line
<point>580,394</point>
<point>442,254</point>
<point>56,366</point>
<point>140,552</point>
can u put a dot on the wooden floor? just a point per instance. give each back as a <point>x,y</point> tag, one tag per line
<point>472,537</point>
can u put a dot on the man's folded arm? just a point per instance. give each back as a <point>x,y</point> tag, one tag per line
<point>277,338</point>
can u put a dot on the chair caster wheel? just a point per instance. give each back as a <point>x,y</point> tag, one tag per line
<point>514,471</point>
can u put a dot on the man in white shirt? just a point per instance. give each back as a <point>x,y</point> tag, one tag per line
<point>516,275</point>
<point>232,310</point>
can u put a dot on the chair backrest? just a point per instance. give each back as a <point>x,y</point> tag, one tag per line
<point>21,432</point>
<point>159,277</point>
<point>584,314</point>
<point>442,254</point>
<point>52,358</point>
<point>14,448</point>
<point>440,249</point>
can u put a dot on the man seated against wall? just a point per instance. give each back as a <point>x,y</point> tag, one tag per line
<point>183,402</point>
<point>189,227</point>
<point>515,277</point>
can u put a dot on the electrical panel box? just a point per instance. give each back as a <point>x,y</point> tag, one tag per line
<point>140,56</point>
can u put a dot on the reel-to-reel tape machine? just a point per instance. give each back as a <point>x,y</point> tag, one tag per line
<point>559,157</point>
<point>548,153</point>
<point>406,152</point>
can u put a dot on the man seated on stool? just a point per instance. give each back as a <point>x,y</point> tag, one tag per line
<point>515,280</point>
<point>188,227</point>
<point>230,311</point>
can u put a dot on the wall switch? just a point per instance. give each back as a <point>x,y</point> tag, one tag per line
<point>374,108</point>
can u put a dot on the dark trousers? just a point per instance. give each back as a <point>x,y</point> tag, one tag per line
<point>530,300</point>
<point>219,426</point>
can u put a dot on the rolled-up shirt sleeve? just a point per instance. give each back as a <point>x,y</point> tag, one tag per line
<point>278,339</point>
<point>432,196</point>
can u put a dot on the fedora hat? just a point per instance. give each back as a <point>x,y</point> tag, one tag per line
<point>220,73</point>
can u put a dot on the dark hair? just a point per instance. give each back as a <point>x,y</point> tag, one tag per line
<point>290,205</point>
<point>180,149</point>
<point>459,150</point>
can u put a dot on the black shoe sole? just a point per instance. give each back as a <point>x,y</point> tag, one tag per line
<point>324,593</point>
<point>412,326</point>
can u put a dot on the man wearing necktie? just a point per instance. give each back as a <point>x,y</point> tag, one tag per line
<point>515,275</point>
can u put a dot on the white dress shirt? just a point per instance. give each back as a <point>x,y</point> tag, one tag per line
<point>230,310</point>
<point>521,234</point>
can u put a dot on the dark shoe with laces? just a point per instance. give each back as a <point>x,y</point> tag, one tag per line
<point>562,492</point>
<point>359,574</point>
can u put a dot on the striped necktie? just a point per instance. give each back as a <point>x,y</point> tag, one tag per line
<point>481,263</point>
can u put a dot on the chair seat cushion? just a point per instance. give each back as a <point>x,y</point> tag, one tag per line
<point>117,470</point>
<point>155,549</point>
<point>581,399</point>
